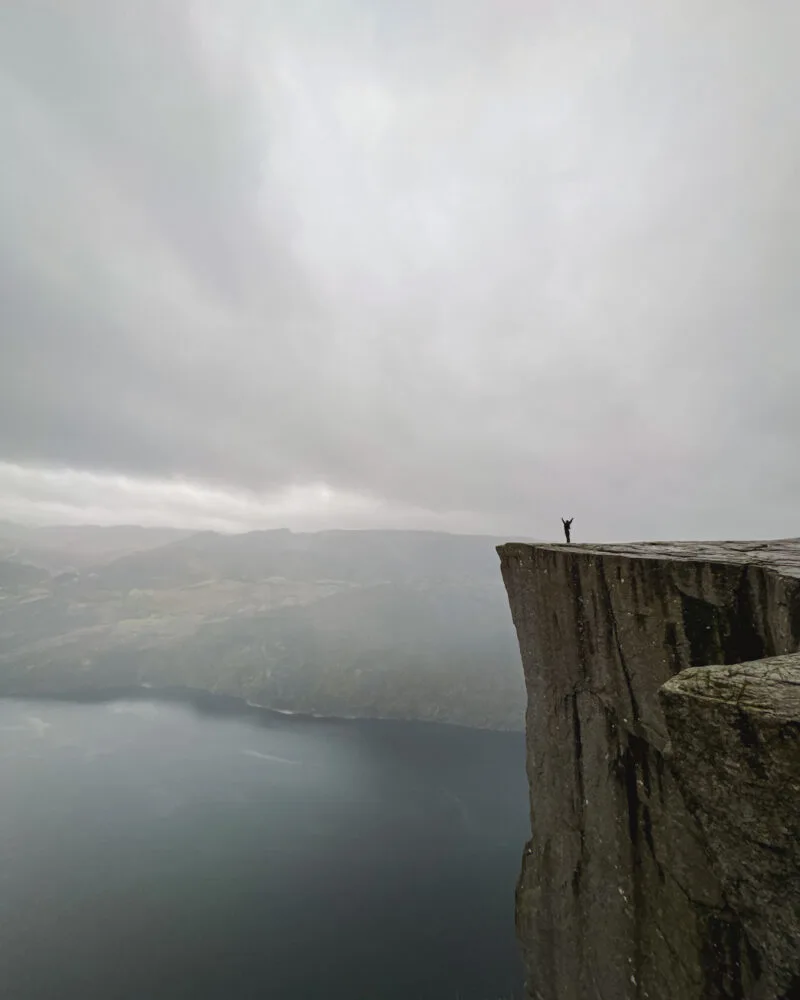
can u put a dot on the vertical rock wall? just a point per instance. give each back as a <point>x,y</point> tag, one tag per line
<point>617,897</point>
<point>735,750</point>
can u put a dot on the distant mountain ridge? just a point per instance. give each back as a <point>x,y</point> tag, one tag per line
<point>403,624</point>
<point>363,556</point>
<point>60,547</point>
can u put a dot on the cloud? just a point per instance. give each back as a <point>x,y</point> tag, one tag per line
<point>506,260</point>
<point>66,496</point>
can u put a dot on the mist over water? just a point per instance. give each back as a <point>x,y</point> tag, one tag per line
<point>153,849</point>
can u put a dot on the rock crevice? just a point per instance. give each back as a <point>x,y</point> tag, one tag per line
<point>630,886</point>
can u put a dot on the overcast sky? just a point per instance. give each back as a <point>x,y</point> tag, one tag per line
<point>469,264</point>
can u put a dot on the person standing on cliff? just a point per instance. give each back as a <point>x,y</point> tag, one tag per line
<point>567,527</point>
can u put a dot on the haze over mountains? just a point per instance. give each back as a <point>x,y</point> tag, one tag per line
<point>410,625</point>
<point>57,547</point>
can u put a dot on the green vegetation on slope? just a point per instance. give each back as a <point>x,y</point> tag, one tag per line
<point>389,624</point>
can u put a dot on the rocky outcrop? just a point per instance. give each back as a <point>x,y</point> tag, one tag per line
<point>735,750</point>
<point>630,886</point>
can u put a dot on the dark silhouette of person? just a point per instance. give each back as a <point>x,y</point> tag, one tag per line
<point>567,527</point>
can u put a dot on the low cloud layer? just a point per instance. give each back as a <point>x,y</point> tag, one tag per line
<point>63,496</point>
<point>478,265</point>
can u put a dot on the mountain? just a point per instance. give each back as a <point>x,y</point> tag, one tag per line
<point>358,556</point>
<point>19,577</point>
<point>61,547</point>
<point>410,625</point>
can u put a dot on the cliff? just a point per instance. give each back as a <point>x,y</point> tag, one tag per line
<point>665,781</point>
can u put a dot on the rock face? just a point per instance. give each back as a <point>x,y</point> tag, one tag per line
<point>632,885</point>
<point>735,749</point>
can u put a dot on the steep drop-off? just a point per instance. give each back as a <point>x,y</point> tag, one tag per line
<point>630,887</point>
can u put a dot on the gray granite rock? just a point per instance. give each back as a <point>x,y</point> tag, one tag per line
<point>735,749</point>
<point>618,896</point>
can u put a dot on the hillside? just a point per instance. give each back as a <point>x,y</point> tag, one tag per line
<point>385,624</point>
<point>62,547</point>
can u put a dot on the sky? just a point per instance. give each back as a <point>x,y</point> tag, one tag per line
<point>469,265</point>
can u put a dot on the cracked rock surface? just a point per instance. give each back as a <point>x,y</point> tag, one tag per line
<point>621,894</point>
<point>735,749</point>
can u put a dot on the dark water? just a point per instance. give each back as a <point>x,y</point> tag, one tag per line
<point>156,850</point>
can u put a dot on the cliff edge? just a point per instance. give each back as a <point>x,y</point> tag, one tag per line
<point>663,757</point>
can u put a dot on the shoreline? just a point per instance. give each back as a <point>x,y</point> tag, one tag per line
<point>212,703</point>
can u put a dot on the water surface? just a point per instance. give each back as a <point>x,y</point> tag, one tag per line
<point>159,850</point>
